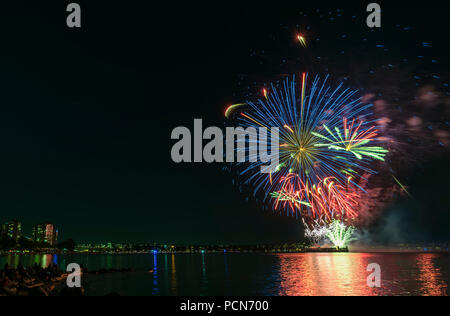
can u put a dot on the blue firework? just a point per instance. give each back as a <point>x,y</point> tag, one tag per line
<point>324,133</point>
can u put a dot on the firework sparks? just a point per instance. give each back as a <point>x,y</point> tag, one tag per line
<point>302,40</point>
<point>317,234</point>
<point>402,186</point>
<point>326,200</point>
<point>353,140</point>
<point>340,234</point>
<point>322,156</point>
<point>232,108</point>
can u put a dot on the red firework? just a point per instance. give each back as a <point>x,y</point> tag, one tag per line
<point>324,201</point>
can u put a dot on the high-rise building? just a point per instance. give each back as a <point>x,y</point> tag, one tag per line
<point>12,230</point>
<point>45,233</point>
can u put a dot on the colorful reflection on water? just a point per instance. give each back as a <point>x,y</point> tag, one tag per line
<point>228,274</point>
<point>325,275</point>
<point>41,260</point>
<point>430,276</point>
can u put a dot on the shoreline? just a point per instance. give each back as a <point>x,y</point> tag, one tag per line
<point>309,251</point>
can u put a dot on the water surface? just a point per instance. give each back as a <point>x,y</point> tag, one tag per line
<point>257,274</point>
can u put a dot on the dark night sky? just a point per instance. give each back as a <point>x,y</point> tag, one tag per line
<point>86,118</point>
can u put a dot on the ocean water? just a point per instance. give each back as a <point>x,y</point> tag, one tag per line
<point>330,274</point>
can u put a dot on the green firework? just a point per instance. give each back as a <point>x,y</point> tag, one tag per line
<point>340,234</point>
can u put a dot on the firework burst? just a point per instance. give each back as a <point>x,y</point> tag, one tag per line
<point>322,202</point>
<point>353,140</point>
<point>317,233</point>
<point>340,234</point>
<point>322,155</point>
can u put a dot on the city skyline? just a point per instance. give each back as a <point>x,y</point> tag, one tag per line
<point>43,233</point>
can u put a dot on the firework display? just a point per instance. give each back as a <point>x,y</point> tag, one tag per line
<point>345,155</point>
<point>317,234</point>
<point>337,233</point>
<point>328,142</point>
<point>327,199</point>
<point>340,235</point>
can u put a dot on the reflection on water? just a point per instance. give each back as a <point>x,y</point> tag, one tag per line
<point>155,275</point>
<point>325,275</point>
<point>430,276</point>
<point>174,276</point>
<point>256,274</point>
<point>204,279</point>
<point>27,261</point>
